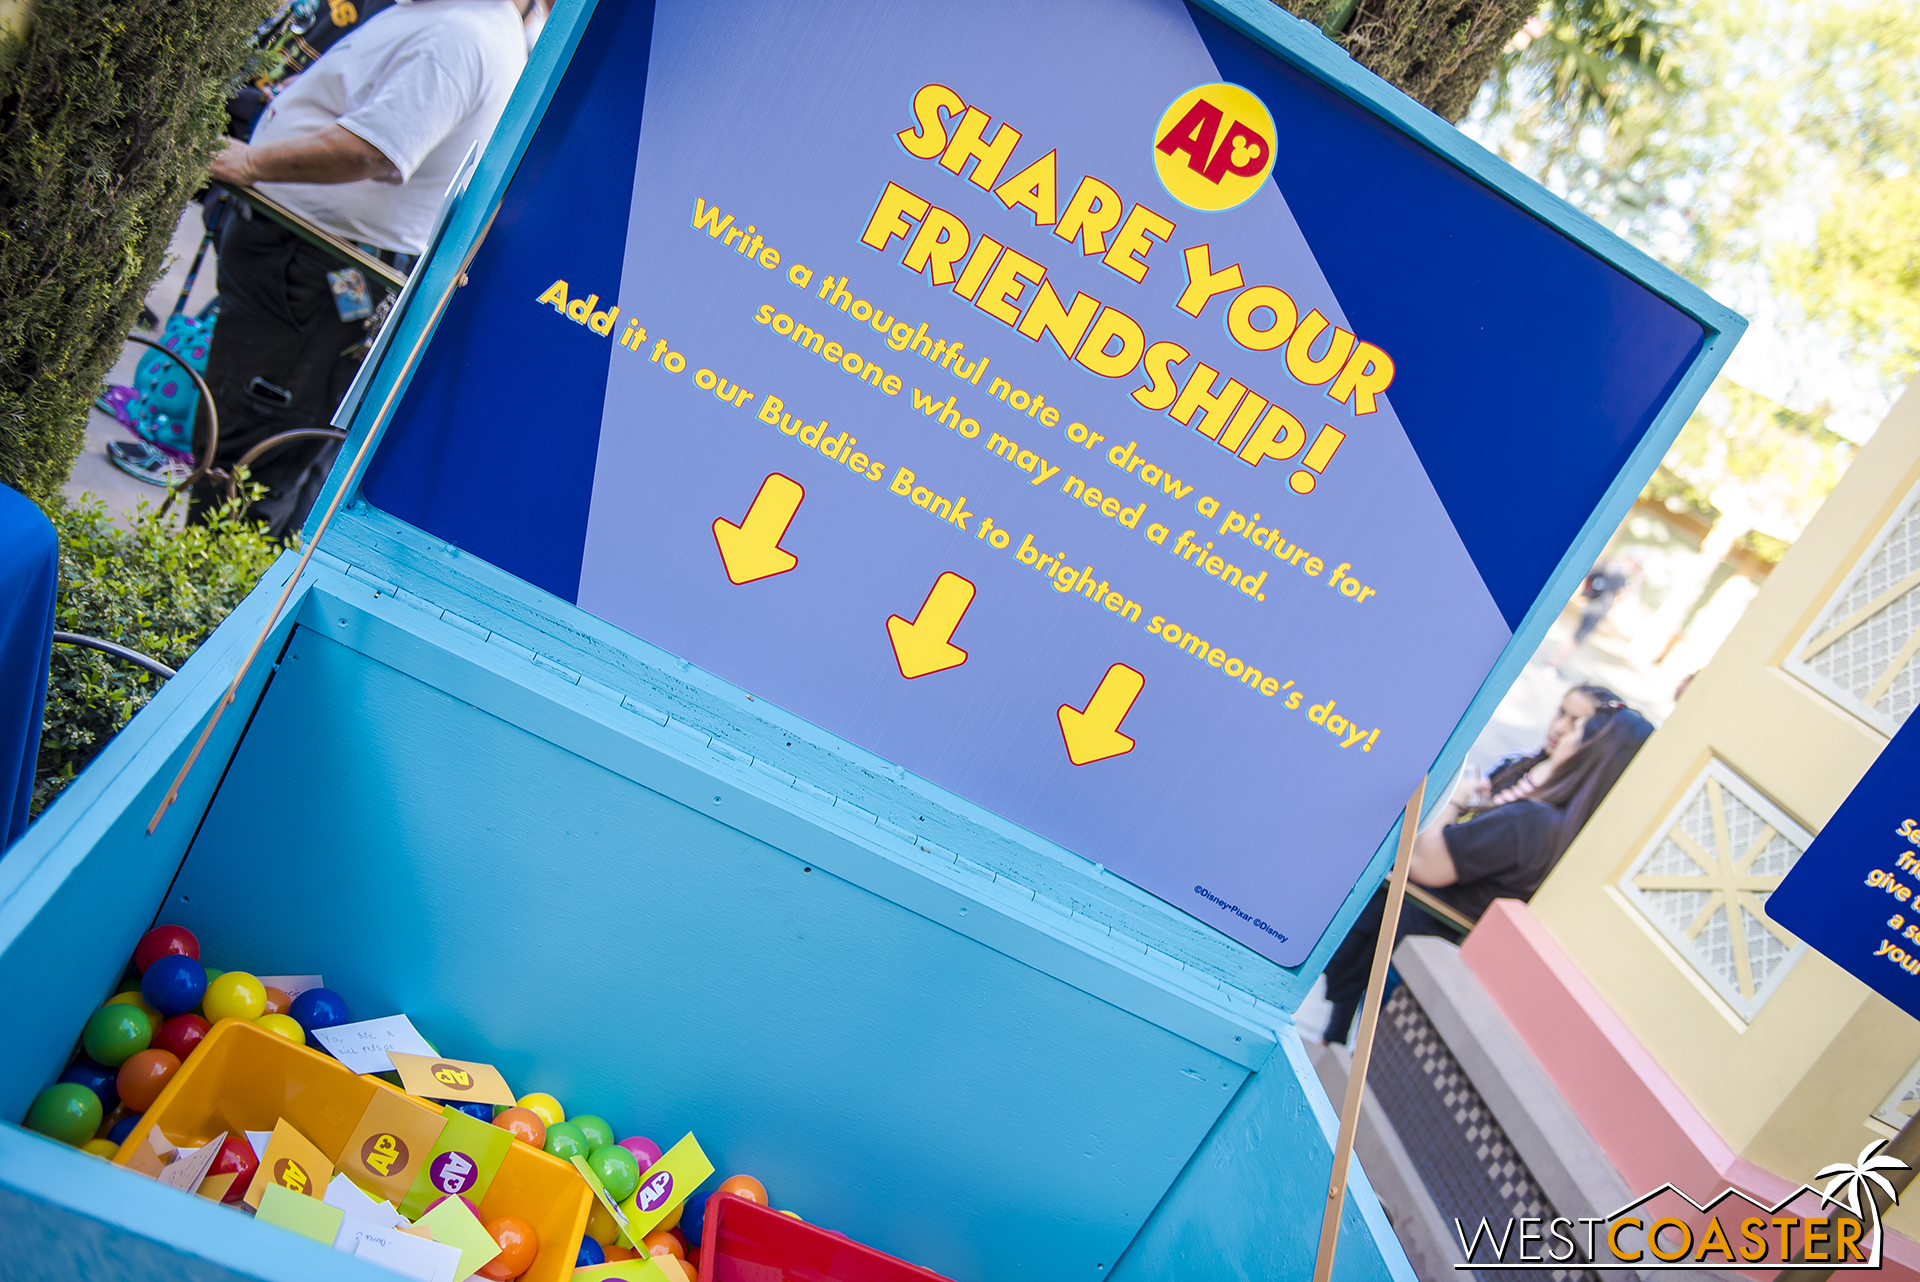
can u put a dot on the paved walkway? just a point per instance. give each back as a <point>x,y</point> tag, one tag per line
<point>92,472</point>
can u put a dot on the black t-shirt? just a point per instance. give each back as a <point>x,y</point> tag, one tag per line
<point>1503,854</point>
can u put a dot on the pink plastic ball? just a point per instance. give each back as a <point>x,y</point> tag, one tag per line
<point>644,1150</point>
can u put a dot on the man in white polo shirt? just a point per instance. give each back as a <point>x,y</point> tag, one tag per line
<point>363,144</point>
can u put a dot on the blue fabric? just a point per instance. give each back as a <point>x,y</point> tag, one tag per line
<point>29,573</point>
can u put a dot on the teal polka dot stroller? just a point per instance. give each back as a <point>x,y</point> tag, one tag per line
<point>159,406</point>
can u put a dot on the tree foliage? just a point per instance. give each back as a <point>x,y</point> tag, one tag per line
<point>109,113</point>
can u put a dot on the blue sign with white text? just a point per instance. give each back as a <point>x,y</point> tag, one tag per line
<point>1852,894</point>
<point>1077,405</point>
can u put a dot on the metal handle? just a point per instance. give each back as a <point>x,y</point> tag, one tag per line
<point>202,467</point>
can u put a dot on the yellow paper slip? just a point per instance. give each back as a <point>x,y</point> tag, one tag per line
<point>387,1148</point>
<point>294,1163</point>
<point>431,1077</point>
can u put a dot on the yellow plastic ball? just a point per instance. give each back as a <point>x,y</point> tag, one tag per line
<point>673,1218</point>
<point>235,995</point>
<point>100,1148</point>
<point>284,1026</point>
<point>600,1225</point>
<point>546,1106</point>
<point>133,998</point>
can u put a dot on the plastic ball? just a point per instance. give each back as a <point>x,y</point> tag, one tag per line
<point>115,1033</point>
<point>546,1105</point>
<point>600,1225</point>
<point>679,1237</point>
<point>565,1141</point>
<point>235,995</point>
<point>591,1253</point>
<point>164,941</point>
<point>479,1112</point>
<point>277,1000</point>
<point>518,1244</point>
<point>644,1150</point>
<point>693,1216</point>
<point>144,1075</point>
<point>97,1078</point>
<point>525,1125</point>
<point>598,1133</point>
<point>744,1187</point>
<point>662,1242</point>
<point>65,1111</point>
<point>616,1168</point>
<point>174,985</point>
<point>319,1008</point>
<point>133,998</point>
<point>119,1131</point>
<point>672,1221</point>
<point>236,1158</point>
<point>284,1026</point>
<point>180,1035</point>
<point>617,1253</point>
<point>101,1148</point>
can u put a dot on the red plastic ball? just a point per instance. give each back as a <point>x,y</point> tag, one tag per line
<point>236,1158</point>
<point>144,1075</point>
<point>744,1187</point>
<point>163,941</point>
<point>179,1035</point>
<point>518,1244</point>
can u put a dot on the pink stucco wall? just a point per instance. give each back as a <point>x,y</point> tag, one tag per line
<point>1643,1122</point>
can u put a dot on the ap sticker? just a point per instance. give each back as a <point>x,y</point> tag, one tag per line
<point>433,1077</point>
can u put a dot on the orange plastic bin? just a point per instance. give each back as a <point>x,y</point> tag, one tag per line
<point>243,1078</point>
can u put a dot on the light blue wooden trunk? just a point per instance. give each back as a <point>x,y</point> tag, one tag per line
<point>629,885</point>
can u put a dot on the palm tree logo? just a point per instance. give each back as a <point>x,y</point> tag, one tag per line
<point>1851,1179</point>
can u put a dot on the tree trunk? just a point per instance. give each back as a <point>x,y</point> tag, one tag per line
<point>1437,52</point>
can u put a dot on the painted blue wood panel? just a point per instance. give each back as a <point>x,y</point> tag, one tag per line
<point>646,961</point>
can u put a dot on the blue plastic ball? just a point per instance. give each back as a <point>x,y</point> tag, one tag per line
<point>99,1079</point>
<point>123,1128</point>
<point>484,1112</point>
<point>174,984</point>
<point>693,1214</point>
<point>590,1254</point>
<point>318,1008</point>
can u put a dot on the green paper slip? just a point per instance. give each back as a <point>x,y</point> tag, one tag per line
<point>452,1224</point>
<point>641,1270</point>
<point>463,1160</point>
<point>307,1216</point>
<point>665,1185</point>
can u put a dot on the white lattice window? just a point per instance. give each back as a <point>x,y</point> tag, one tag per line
<point>1861,650</point>
<point>1902,1102</point>
<point>1704,882</point>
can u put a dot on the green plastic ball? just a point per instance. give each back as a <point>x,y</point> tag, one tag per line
<point>114,1034</point>
<point>617,1169</point>
<point>596,1130</point>
<point>67,1112</point>
<point>564,1140</point>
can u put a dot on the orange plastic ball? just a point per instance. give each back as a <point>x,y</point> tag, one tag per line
<point>143,1076</point>
<point>617,1253</point>
<point>518,1244</point>
<point>693,1274</point>
<point>525,1125</point>
<point>661,1242</point>
<point>746,1187</point>
<point>277,1000</point>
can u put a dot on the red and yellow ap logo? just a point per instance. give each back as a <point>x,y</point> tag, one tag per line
<point>1214,146</point>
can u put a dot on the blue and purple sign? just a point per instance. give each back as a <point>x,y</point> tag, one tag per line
<point>1077,405</point>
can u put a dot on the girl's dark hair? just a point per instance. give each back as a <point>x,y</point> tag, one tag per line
<point>1508,773</point>
<point>1612,737</point>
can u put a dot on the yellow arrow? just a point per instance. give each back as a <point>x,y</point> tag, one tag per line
<point>751,550</point>
<point>926,644</point>
<point>1094,734</point>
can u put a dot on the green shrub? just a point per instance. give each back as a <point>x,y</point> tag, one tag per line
<point>109,114</point>
<point>150,586</point>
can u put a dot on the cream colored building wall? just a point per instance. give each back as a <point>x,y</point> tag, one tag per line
<point>1791,1089</point>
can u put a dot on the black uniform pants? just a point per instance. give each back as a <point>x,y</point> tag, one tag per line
<point>278,363</point>
<point>1352,962</point>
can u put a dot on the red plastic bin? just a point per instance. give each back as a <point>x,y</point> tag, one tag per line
<point>743,1241</point>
